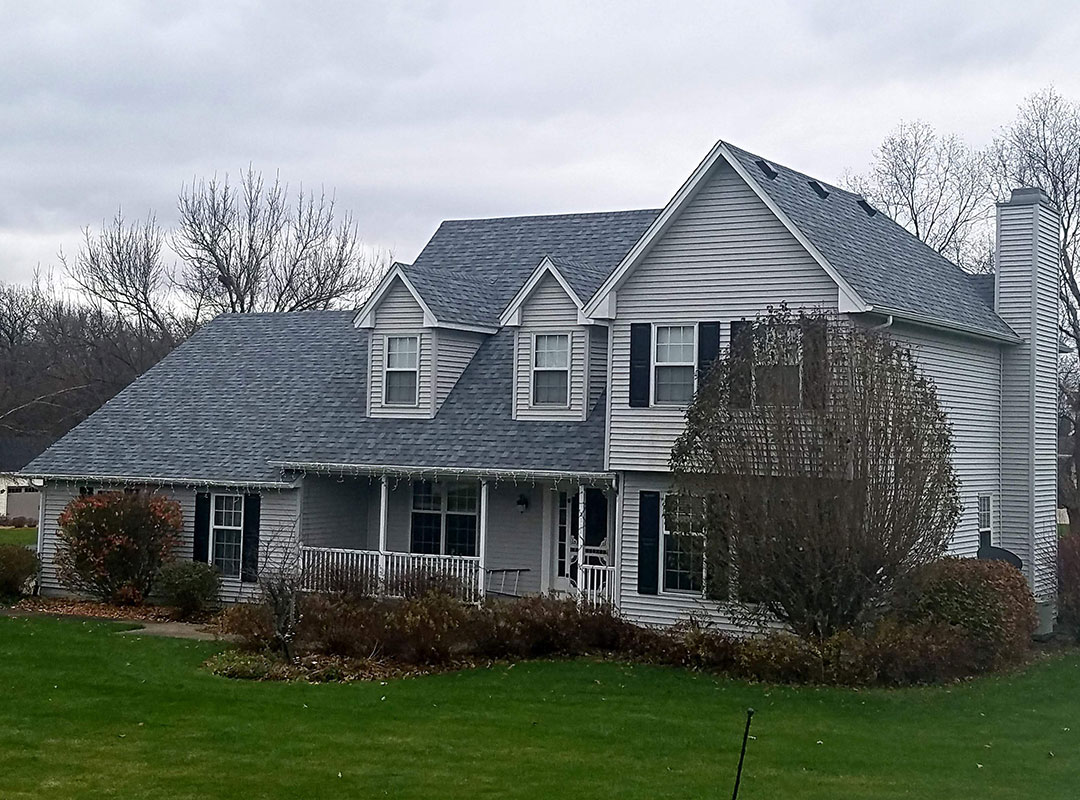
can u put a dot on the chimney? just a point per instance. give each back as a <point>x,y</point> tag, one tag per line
<point>1026,297</point>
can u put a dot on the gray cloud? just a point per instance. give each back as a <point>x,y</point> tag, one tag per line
<point>418,112</point>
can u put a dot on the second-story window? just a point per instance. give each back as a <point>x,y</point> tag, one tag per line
<point>551,370</point>
<point>402,370</point>
<point>674,364</point>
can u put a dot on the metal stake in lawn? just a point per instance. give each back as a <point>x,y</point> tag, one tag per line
<point>742,755</point>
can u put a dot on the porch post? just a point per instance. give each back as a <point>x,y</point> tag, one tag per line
<point>581,580</point>
<point>384,509</point>
<point>482,536</point>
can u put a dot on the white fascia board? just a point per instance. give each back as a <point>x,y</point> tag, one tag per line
<point>848,297</point>
<point>511,316</point>
<point>365,317</point>
<point>652,234</point>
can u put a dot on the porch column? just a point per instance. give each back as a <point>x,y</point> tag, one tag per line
<point>581,579</point>
<point>384,511</point>
<point>482,537</point>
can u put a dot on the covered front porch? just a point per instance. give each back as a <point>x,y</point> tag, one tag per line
<point>482,533</point>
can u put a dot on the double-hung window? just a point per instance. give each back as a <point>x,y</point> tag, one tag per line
<point>986,520</point>
<point>227,533</point>
<point>444,518</point>
<point>684,543</point>
<point>674,364</point>
<point>402,373</point>
<point>778,366</point>
<point>551,369</point>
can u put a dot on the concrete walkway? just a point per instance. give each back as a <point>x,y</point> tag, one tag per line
<point>175,630</point>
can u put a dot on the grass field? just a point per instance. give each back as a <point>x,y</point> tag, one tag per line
<point>23,536</point>
<point>90,713</point>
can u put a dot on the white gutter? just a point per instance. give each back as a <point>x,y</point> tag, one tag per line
<point>932,322</point>
<point>602,478</point>
<point>160,481</point>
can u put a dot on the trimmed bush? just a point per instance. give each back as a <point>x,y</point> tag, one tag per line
<point>190,587</point>
<point>251,624</point>
<point>1068,585</point>
<point>988,603</point>
<point>18,565</point>
<point>113,544</point>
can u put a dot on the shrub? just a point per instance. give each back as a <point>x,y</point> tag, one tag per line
<point>988,603</point>
<point>1068,581</point>
<point>112,545</point>
<point>251,624</point>
<point>18,565</point>
<point>190,587</point>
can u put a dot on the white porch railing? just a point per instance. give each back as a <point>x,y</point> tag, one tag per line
<point>596,584</point>
<point>391,574</point>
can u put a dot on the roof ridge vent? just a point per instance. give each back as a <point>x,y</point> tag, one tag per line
<point>766,168</point>
<point>822,192</point>
<point>865,206</point>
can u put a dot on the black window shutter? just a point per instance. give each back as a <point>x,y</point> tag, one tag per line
<point>742,363</point>
<point>640,358</point>
<point>249,558</point>
<point>648,568</point>
<point>708,348</point>
<point>202,528</point>
<point>815,363</point>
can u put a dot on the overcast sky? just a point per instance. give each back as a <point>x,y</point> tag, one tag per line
<point>417,112</point>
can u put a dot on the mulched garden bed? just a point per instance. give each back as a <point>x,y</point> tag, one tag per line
<point>91,608</point>
<point>318,668</point>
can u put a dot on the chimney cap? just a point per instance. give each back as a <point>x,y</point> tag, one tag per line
<point>1028,196</point>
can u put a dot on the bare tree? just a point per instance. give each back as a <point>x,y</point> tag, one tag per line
<point>247,248</point>
<point>1041,148</point>
<point>816,468</point>
<point>935,186</point>
<point>122,268</point>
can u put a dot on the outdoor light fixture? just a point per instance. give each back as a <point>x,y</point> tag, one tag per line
<point>522,503</point>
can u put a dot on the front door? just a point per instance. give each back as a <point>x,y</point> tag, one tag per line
<point>565,552</point>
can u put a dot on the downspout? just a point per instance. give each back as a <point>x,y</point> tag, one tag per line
<point>886,324</point>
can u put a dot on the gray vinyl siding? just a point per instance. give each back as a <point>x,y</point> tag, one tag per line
<point>279,514</point>
<point>335,513</point>
<point>515,538</point>
<point>400,315</point>
<point>597,371</point>
<point>967,375</point>
<point>549,309</point>
<point>454,350</point>
<point>1027,246</point>
<point>725,258</point>
<point>663,608</point>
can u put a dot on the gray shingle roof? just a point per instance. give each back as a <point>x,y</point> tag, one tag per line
<point>882,261</point>
<point>471,268</point>
<point>254,388</point>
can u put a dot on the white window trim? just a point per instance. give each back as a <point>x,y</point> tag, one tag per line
<point>443,513</point>
<point>214,529</point>
<point>663,587</point>
<point>533,369</point>
<point>988,530</point>
<point>386,369</point>
<point>652,364</point>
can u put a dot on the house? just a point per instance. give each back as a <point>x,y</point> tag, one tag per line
<point>18,496</point>
<point>503,408</point>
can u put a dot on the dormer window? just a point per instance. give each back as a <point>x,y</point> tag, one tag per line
<point>551,370</point>
<point>402,373</point>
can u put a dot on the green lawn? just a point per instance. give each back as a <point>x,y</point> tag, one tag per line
<point>89,713</point>
<point>23,536</point>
